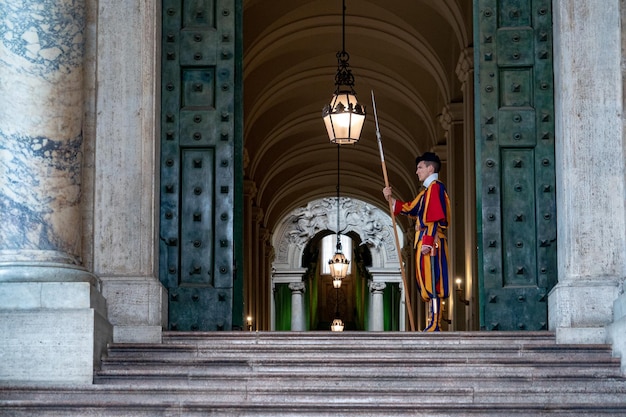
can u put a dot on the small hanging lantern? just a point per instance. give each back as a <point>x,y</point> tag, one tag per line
<point>337,325</point>
<point>338,264</point>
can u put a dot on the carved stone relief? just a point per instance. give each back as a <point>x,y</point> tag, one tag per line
<point>371,224</point>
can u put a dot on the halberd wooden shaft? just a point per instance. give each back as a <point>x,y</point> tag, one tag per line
<point>407,298</point>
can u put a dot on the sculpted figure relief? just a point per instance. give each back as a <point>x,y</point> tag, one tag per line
<point>303,223</point>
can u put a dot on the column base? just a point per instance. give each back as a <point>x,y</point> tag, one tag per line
<point>53,332</point>
<point>51,346</point>
<point>137,308</point>
<point>580,311</point>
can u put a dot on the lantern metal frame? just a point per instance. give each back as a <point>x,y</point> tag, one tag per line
<point>344,116</point>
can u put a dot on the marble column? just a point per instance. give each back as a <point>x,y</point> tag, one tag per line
<point>47,298</point>
<point>249,192</point>
<point>41,139</point>
<point>590,171</point>
<point>297,306</point>
<point>264,279</point>
<point>451,120</point>
<point>255,264</point>
<point>389,277</point>
<point>270,256</point>
<point>283,277</point>
<point>465,74</point>
<point>377,308</point>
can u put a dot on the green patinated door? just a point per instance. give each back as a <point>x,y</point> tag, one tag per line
<point>515,170</point>
<point>201,148</point>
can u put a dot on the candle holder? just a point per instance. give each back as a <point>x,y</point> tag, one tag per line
<point>459,292</point>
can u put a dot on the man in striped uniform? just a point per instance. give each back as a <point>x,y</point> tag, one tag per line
<point>431,211</point>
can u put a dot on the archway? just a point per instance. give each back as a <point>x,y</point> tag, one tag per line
<point>302,229</point>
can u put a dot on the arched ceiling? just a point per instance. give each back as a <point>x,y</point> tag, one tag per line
<point>406,51</point>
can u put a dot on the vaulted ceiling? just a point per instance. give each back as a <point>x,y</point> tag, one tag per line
<point>406,51</point>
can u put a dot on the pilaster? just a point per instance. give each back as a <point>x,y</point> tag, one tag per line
<point>590,170</point>
<point>256,284</point>
<point>264,277</point>
<point>465,74</point>
<point>125,187</point>
<point>451,120</point>
<point>249,192</point>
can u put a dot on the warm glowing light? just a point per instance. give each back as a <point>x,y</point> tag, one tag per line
<point>344,118</point>
<point>339,266</point>
<point>337,325</point>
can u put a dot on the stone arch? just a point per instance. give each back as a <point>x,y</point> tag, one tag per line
<point>373,226</point>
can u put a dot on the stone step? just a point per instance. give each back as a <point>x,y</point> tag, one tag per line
<point>348,374</point>
<point>133,401</point>
<point>326,346</point>
<point>589,389</point>
<point>540,353</point>
<point>211,355</point>
<point>337,340</point>
<point>201,371</point>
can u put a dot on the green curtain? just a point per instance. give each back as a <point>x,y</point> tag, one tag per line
<point>282,303</point>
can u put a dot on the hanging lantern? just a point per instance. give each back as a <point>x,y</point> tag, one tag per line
<point>344,116</point>
<point>337,282</point>
<point>338,265</point>
<point>337,325</point>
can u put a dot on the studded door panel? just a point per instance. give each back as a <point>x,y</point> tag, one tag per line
<point>515,162</point>
<point>197,162</point>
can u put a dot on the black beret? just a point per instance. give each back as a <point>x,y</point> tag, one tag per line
<point>428,156</point>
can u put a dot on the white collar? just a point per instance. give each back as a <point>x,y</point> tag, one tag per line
<point>432,177</point>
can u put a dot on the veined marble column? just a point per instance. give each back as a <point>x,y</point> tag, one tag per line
<point>377,310</point>
<point>46,297</point>
<point>297,306</point>
<point>41,45</point>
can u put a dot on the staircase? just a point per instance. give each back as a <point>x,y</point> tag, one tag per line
<point>340,374</point>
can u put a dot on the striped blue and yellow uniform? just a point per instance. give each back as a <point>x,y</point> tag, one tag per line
<point>431,210</point>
